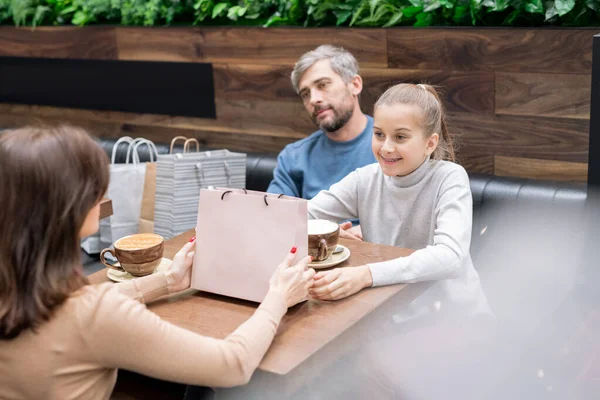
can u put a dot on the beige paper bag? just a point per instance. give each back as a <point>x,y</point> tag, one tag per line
<point>242,236</point>
<point>146,224</point>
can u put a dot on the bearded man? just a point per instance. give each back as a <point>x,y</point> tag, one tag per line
<point>328,81</point>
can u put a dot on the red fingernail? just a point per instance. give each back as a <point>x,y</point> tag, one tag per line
<point>293,250</point>
<point>192,239</point>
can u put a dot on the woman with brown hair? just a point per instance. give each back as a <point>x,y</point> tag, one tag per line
<point>63,338</point>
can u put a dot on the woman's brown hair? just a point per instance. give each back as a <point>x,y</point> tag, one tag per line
<point>50,177</point>
<point>434,115</point>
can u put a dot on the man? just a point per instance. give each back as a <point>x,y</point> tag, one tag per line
<point>328,82</point>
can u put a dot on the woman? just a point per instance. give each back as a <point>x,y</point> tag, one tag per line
<point>61,338</point>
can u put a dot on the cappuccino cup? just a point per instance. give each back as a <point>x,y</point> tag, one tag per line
<point>323,236</point>
<point>138,254</point>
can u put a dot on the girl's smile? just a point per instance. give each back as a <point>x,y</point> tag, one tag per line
<point>399,143</point>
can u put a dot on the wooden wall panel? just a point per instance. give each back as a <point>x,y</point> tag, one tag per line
<point>262,118</point>
<point>499,49</point>
<point>518,98</point>
<point>483,164</point>
<point>254,82</point>
<point>540,169</point>
<point>552,95</point>
<point>225,140</point>
<point>276,46</point>
<point>535,137</point>
<point>463,91</point>
<point>98,43</point>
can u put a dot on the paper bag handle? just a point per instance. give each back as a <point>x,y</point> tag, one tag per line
<point>152,151</point>
<point>187,142</point>
<point>113,155</point>
<point>175,139</point>
<point>135,157</point>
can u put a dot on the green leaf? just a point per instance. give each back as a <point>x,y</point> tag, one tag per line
<point>550,11</point>
<point>496,5</point>
<point>40,11</point>
<point>274,19</point>
<point>372,5</point>
<point>342,16</point>
<point>79,18</point>
<point>432,6</point>
<point>534,6</point>
<point>410,12</point>
<point>394,20</point>
<point>68,10</point>
<point>358,12</point>
<point>417,3</point>
<point>459,13</point>
<point>593,5</point>
<point>563,6</point>
<point>218,9</point>
<point>424,19</point>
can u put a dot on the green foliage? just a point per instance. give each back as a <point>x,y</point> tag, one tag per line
<point>358,13</point>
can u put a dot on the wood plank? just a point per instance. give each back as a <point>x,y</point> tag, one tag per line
<point>254,82</point>
<point>247,45</point>
<point>499,49</point>
<point>100,129</point>
<point>98,43</point>
<point>224,140</point>
<point>540,169</point>
<point>483,164</point>
<point>463,91</point>
<point>553,95</point>
<point>561,139</point>
<point>262,118</point>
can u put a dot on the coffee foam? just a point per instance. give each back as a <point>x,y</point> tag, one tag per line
<point>138,241</point>
<point>321,226</point>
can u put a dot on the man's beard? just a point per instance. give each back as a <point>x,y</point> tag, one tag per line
<point>339,119</point>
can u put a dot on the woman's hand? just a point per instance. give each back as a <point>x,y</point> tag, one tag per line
<point>349,232</point>
<point>179,273</point>
<point>340,282</point>
<point>293,281</point>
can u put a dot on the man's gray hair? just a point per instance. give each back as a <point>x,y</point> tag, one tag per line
<point>342,62</point>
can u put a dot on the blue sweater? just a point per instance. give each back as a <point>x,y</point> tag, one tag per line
<point>310,165</point>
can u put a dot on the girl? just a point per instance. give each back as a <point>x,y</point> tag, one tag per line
<point>414,197</point>
<point>61,338</point>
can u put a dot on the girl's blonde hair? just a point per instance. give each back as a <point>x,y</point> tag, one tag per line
<point>434,115</point>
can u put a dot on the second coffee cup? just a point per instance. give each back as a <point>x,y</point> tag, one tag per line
<point>323,236</point>
<point>138,254</point>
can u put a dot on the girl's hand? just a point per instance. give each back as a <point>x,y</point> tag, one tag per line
<point>293,281</point>
<point>348,232</point>
<point>179,273</point>
<point>340,282</point>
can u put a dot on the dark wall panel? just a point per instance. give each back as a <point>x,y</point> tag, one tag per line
<point>171,88</point>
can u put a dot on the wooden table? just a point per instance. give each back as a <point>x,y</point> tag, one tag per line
<point>106,209</point>
<point>304,330</point>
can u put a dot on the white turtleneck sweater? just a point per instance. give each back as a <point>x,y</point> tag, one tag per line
<point>429,210</point>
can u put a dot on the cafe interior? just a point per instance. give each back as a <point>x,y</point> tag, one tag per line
<point>192,121</point>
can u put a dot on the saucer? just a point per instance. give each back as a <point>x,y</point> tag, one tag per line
<point>332,260</point>
<point>122,276</point>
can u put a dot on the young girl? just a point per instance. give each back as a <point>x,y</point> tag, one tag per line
<point>415,197</point>
<point>62,338</point>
